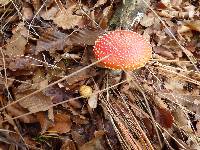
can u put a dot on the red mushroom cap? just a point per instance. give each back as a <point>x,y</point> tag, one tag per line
<point>128,50</point>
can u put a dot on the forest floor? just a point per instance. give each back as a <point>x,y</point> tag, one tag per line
<point>54,95</point>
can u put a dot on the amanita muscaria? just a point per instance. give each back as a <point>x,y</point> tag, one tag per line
<point>128,50</point>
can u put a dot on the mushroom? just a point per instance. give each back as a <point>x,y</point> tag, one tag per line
<point>128,50</point>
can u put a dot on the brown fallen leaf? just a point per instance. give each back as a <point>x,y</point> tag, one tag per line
<point>183,28</point>
<point>62,124</point>
<point>57,94</point>
<point>78,138</point>
<point>27,12</point>
<point>107,13</point>
<point>167,3</point>
<point>75,104</point>
<point>163,52</point>
<point>65,17</point>
<point>94,144</point>
<point>194,25</point>
<point>45,123</point>
<point>35,103</point>
<point>29,141</point>
<point>4,146</point>
<point>17,110</point>
<point>50,40</point>
<point>176,3</point>
<point>22,63</point>
<point>16,45</point>
<point>83,75</point>
<point>177,14</point>
<point>99,3</point>
<point>50,13</point>
<point>148,20</point>
<point>79,119</point>
<point>37,4</point>
<point>4,2</point>
<point>198,128</point>
<point>181,120</point>
<point>164,117</point>
<point>84,37</point>
<point>68,145</point>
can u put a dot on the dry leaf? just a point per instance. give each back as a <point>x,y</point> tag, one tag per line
<point>84,37</point>
<point>51,40</point>
<point>181,120</point>
<point>78,138</point>
<point>22,63</point>
<point>194,25</point>
<point>94,144</point>
<point>164,117</point>
<point>64,17</point>
<point>50,13</point>
<point>83,75</point>
<point>99,133</point>
<point>39,76</point>
<point>4,2</point>
<point>163,52</point>
<point>37,4</point>
<point>16,45</point>
<point>175,85</point>
<point>76,104</point>
<point>198,128</point>
<point>177,14</point>
<point>57,94</point>
<point>17,110</point>
<point>147,20</point>
<point>68,145</point>
<point>27,12</point>
<point>176,3</point>
<point>62,124</point>
<point>183,28</point>
<point>29,141</point>
<point>99,3</point>
<point>107,13</point>
<point>167,3</point>
<point>45,123</point>
<point>35,103</point>
<point>79,119</point>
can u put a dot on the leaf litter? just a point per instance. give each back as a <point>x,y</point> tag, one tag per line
<point>49,40</point>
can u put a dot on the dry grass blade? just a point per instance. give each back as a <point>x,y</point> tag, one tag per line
<point>124,134</point>
<point>126,125</point>
<point>149,110</point>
